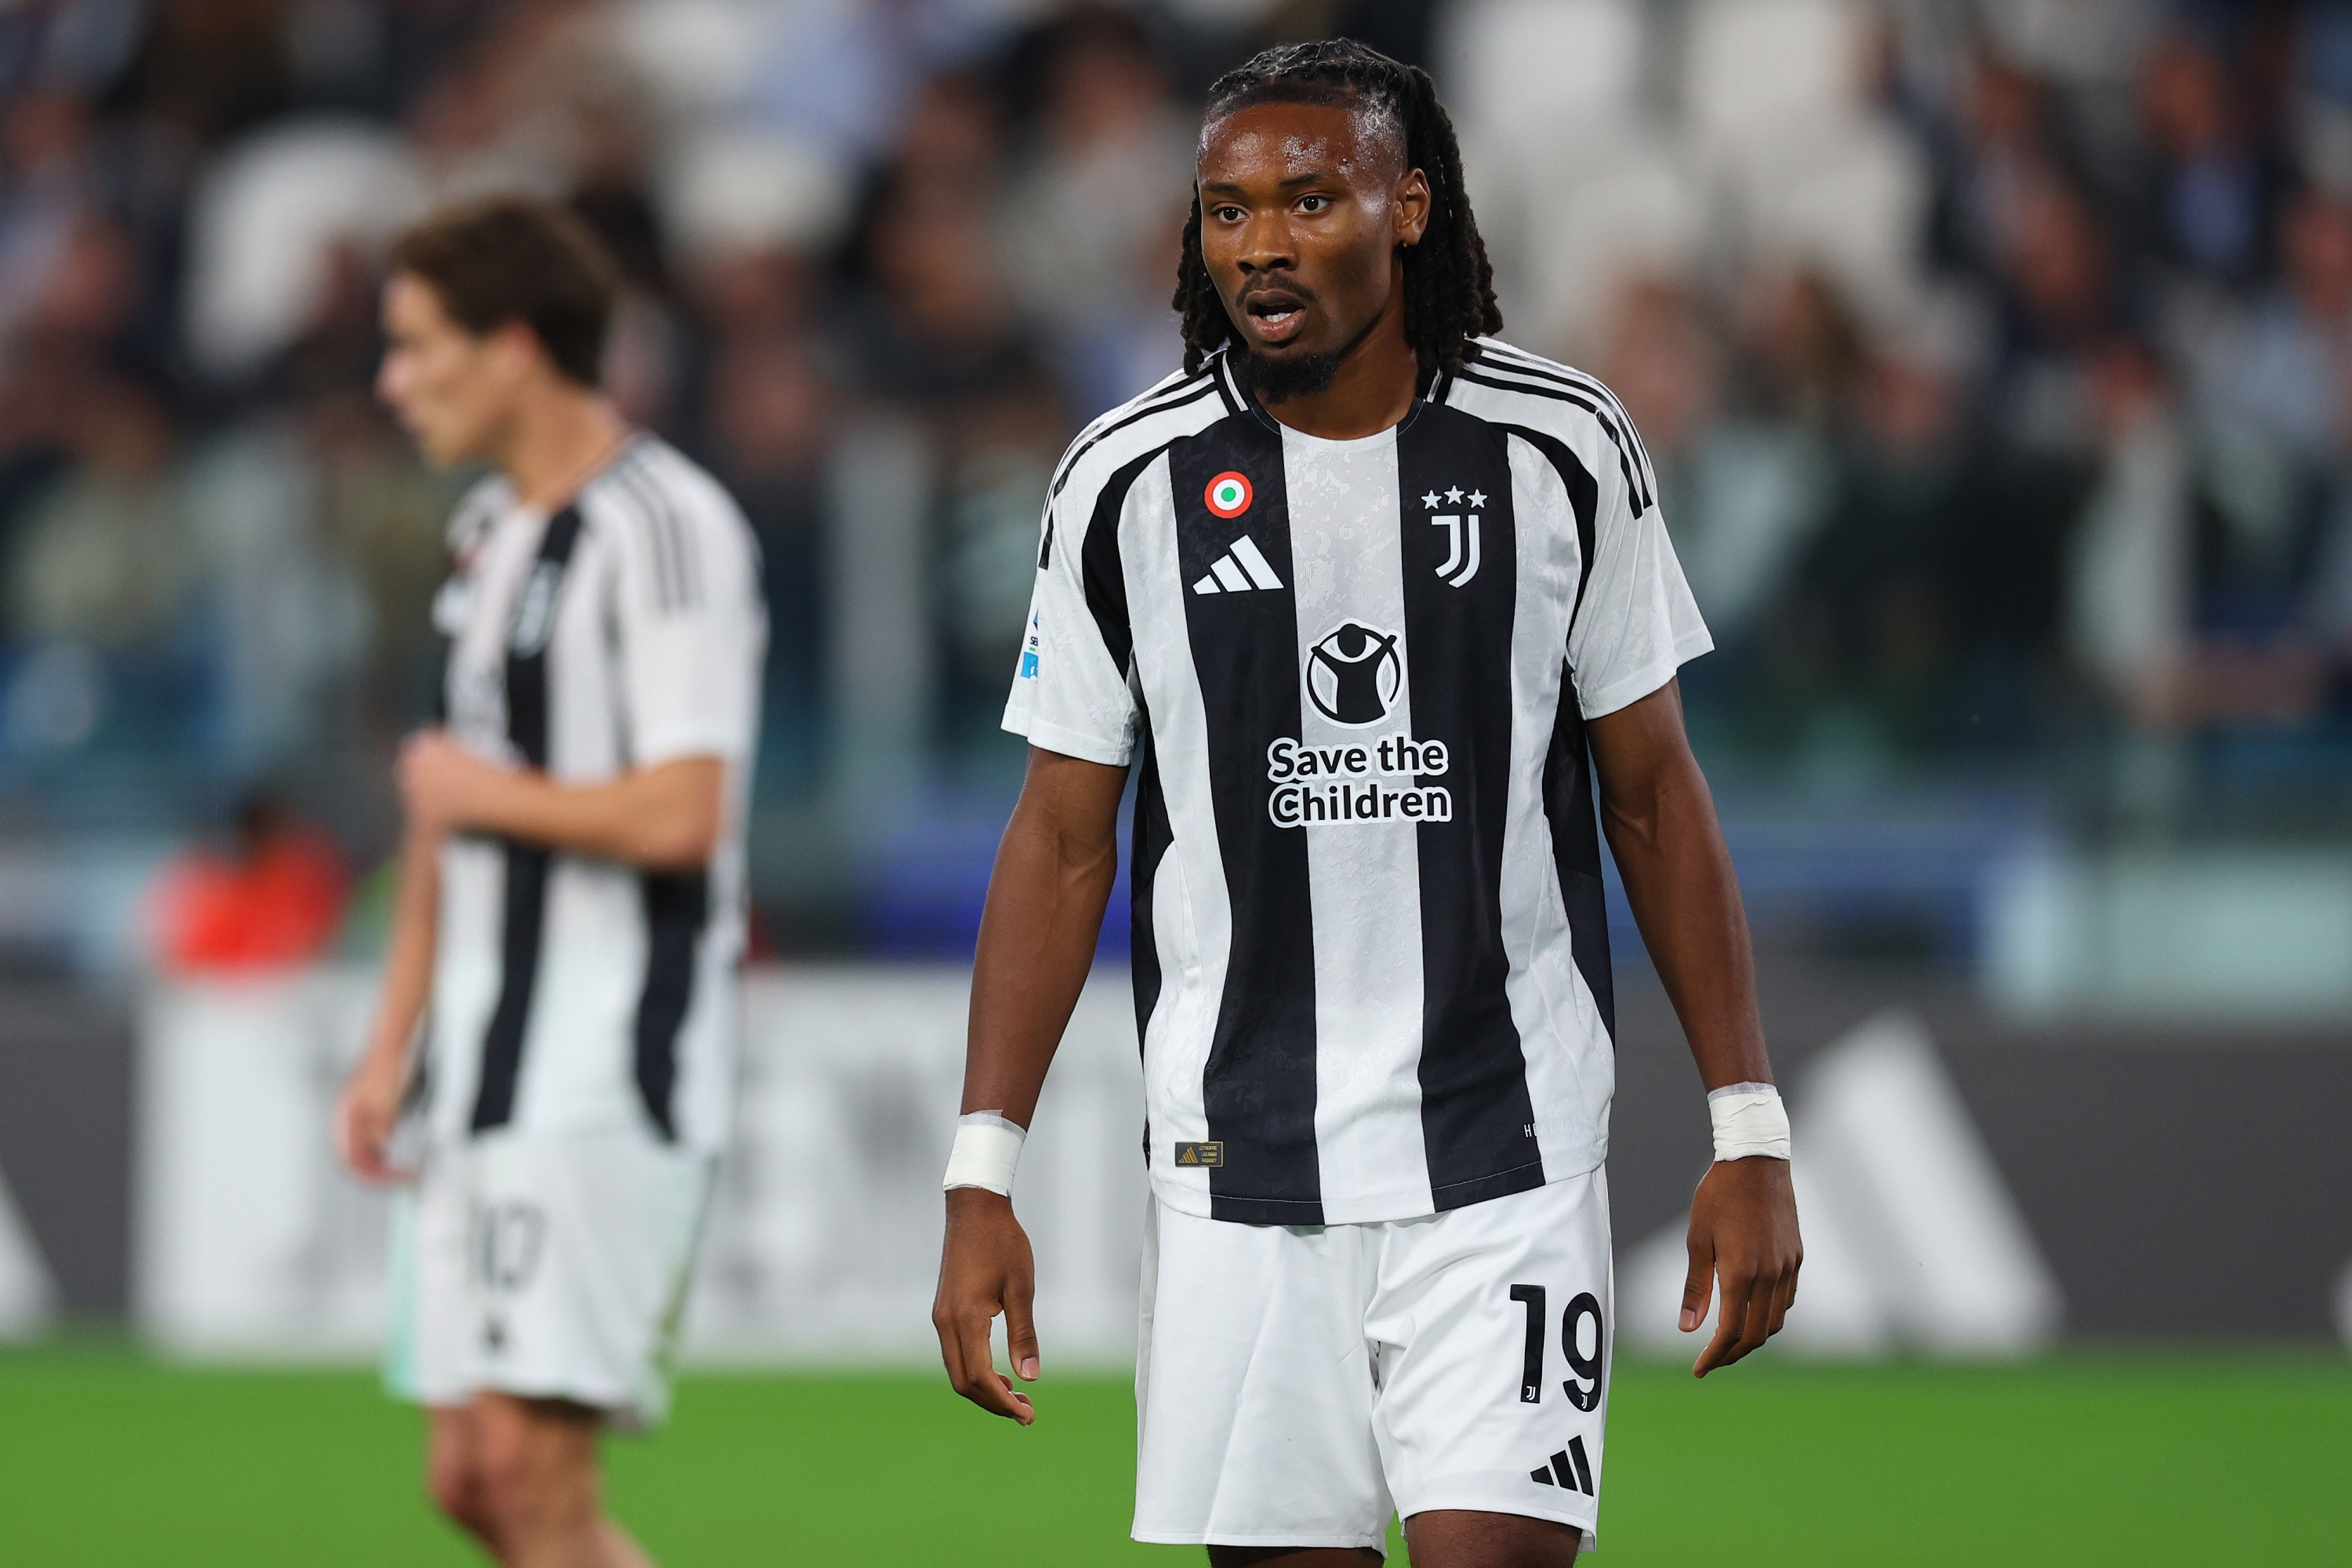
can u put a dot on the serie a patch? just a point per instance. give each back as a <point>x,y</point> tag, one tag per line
<point>1200,1153</point>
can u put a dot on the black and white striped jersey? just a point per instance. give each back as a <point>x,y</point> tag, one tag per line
<point>572,993</point>
<point>1371,962</point>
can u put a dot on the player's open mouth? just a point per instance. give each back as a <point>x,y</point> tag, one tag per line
<point>1275,319</point>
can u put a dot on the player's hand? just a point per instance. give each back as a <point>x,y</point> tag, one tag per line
<point>986,1268</point>
<point>1743,1232</point>
<point>441,781</point>
<point>365,1113</point>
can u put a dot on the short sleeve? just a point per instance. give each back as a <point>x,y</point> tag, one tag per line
<point>1636,621</point>
<point>1071,693</point>
<point>691,629</point>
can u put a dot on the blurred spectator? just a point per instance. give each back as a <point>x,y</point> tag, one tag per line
<point>105,557</point>
<point>272,903</point>
<point>1097,209</point>
<point>769,432</point>
<point>212,67</point>
<point>266,223</point>
<point>1757,479</point>
<point>2060,302</point>
<point>2277,375</point>
<point>1662,364</point>
<point>844,71</point>
<point>2216,180</point>
<point>2001,145</point>
<point>938,326</point>
<point>951,143</point>
<point>380,514</point>
<point>2132,583</point>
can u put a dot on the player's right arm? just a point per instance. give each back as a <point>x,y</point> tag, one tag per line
<point>1073,700</point>
<point>367,1110</point>
<point>1037,934</point>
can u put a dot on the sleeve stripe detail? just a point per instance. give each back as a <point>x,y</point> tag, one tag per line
<point>1638,495</point>
<point>1170,390</point>
<point>1639,475</point>
<point>1165,384</point>
<point>689,553</point>
<point>1583,496</point>
<point>1524,364</point>
<point>1100,569</point>
<point>686,558</point>
<point>1193,393</point>
<point>1518,362</point>
<point>682,540</point>
<point>677,564</point>
<point>665,586</point>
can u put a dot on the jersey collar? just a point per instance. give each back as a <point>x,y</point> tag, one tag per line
<point>1239,401</point>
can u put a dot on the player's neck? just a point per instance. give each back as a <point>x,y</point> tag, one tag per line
<point>558,438</point>
<point>1373,390</point>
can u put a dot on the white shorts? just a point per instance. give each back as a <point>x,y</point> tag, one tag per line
<point>547,1267</point>
<point>1298,1386</point>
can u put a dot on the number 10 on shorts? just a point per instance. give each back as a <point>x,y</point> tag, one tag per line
<point>1582,1388</point>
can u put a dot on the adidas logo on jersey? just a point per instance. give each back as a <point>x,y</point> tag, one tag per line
<point>1238,570</point>
<point>1571,1469</point>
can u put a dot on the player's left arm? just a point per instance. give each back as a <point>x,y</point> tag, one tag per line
<point>665,816</point>
<point>1660,818</point>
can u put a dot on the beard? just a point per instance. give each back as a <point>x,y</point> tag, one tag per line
<point>1272,381</point>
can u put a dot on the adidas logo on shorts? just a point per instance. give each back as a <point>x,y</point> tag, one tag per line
<point>1572,1469</point>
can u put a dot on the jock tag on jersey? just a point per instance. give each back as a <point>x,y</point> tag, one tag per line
<point>1198,1154</point>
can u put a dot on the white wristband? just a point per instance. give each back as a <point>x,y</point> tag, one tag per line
<point>1750,1119</point>
<point>987,1147</point>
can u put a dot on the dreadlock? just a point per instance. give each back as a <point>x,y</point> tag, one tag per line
<point>1449,286</point>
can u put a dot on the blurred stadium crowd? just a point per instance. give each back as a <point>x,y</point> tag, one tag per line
<point>1995,356</point>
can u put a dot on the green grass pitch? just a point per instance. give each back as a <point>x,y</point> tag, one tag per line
<point>2119,1457</point>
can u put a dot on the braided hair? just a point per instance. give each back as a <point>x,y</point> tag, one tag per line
<point>1449,285</point>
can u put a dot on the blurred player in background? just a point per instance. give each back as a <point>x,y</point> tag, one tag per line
<point>1366,590</point>
<point>570,910</point>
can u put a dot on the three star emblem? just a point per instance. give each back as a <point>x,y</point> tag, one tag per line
<point>1453,497</point>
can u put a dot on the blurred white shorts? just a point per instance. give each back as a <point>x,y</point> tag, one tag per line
<point>551,1267</point>
<point>1295,1385</point>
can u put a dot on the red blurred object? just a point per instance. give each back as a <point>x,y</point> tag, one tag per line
<point>275,904</point>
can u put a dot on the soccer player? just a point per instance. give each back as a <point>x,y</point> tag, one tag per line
<point>1369,600</point>
<point>571,903</point>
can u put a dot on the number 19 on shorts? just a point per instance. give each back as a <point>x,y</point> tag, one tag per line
<point>1583,1387</point>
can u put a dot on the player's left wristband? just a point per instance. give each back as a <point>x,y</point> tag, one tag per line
<point>987,1147</point>
<point>1749,1120</point>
